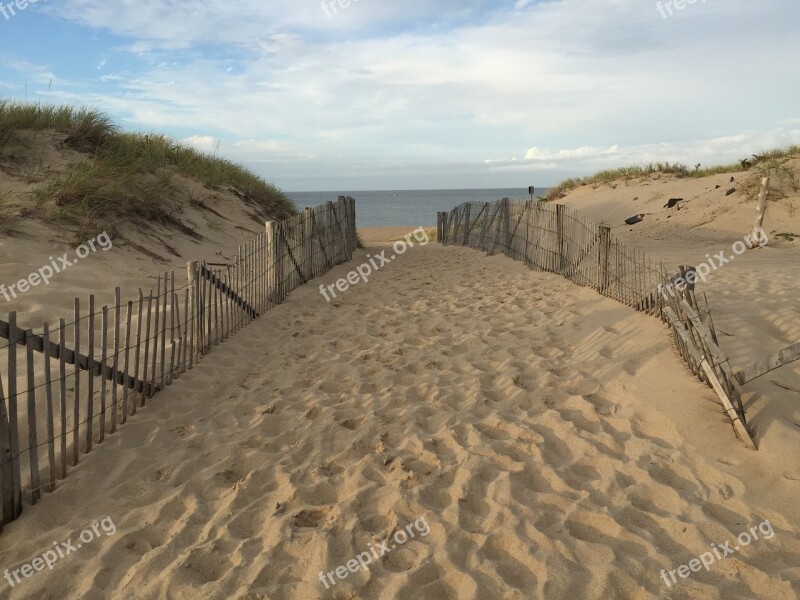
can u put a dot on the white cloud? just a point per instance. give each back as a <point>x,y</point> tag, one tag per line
<point>423,81</point>
<point>584,152</point>
<point>721,150</point>
<point>204,143</point>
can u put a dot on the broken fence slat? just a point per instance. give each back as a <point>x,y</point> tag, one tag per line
<point>769,364</point>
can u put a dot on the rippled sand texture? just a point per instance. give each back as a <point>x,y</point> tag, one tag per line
<point>527,420</point>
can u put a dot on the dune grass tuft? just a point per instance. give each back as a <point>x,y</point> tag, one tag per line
<point>768,162</point>
<point>125,175</point>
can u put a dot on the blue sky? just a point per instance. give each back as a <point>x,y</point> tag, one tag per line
<point>422,93</point>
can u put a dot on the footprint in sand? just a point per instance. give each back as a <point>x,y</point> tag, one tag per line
<point>330,470</point>
<point>352,424</point>
<point>208,563</point>
<point>312,518</point>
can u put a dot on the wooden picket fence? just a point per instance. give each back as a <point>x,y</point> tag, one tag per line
<point>69,386</point>
<point>553,238</point>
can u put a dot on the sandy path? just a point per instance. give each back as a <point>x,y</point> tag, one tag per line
<point>517,414</point>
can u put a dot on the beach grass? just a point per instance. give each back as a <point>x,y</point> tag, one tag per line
<point>770,163</point>
<point>120,174</point>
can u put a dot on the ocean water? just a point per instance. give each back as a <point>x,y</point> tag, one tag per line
<point>408,208</point>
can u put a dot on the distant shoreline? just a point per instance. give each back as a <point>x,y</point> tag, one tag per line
<point>384,235</point>
<point>409,208</point>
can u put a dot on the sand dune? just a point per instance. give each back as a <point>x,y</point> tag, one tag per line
<point>753,298</point>
<point>551,439</point>
<point>135,261</point>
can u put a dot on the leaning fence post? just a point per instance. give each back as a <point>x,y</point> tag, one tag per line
<point>754,239</point>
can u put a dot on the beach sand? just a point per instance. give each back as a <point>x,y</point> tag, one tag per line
<point>550,439</point>
<point>382,235</point>
<point>753,296</point>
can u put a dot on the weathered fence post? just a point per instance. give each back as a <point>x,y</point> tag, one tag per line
<point>349,232</point>
<point>526,214</point>
<point>353,223</point>
<point>342,231</point>
<point>506,234</point>
<point>13,423</point>
<point>604,254</point>
<point>330,224</point>
<point>486,224</point>
<point>33,440</point>
<point>562,247</point>
<point>6,472</point>
<point>754,239</point>
<point>465,236</point>
<point>352,220</point>
<point>309,268</point>
<point>351,229</point>
<point>191,274</point>
<point>276,261</point>
<point>456,218</point>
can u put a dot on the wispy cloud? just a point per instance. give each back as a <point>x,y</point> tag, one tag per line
<point>386,88</point>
